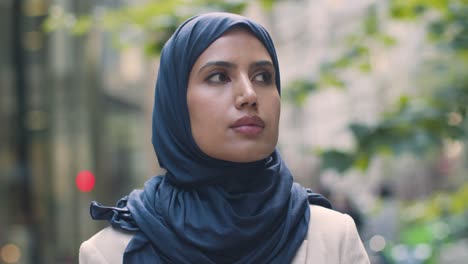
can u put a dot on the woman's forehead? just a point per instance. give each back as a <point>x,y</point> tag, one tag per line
<point>233,44</point>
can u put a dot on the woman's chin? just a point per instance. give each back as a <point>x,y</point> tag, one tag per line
<point>244,156</point>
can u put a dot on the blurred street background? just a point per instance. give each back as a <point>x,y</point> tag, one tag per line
<point>374,115</point>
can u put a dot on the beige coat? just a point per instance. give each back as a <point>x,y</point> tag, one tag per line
<point>332,238</point>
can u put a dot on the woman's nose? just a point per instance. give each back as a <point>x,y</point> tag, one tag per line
<point>245,93</point>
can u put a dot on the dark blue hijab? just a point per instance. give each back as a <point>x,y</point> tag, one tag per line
<point>205,210</point>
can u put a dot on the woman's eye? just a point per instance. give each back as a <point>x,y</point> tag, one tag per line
<point>264,77</point>
<point>217,78</point>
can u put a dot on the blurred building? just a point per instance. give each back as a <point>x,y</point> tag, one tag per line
<point>67,104</point>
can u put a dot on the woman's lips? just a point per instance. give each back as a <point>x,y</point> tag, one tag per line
<point>249,125</point>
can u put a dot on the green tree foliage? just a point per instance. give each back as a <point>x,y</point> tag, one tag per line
<point>417,124</point>
<point>437,222</point>
<point>149,24</point>
<point>356,56</point>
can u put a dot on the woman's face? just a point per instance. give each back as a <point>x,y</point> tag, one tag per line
<point>232,99</point>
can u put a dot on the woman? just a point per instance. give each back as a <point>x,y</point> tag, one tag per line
<point>227,196</point>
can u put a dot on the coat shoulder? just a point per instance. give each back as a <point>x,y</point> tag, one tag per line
<point>106,246</point>
<point>328,217</point>
<point>333,238</point>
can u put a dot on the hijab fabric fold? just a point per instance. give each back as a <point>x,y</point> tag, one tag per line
<point>205,210</point>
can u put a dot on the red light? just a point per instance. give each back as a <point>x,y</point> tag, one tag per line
<point>85,181</point>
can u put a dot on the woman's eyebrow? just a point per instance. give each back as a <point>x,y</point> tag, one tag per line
<point>226,64</point>
<point>262,63</point>
<point>218,63</point>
